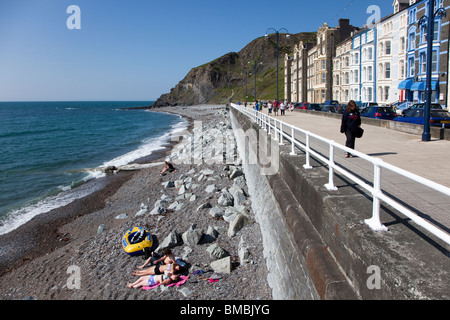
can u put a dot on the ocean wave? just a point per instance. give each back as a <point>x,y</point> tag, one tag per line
<point>64,195</point>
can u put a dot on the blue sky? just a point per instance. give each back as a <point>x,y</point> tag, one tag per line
<point>140,49</point>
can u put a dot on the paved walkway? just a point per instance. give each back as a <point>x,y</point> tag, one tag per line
<point>406,151</point>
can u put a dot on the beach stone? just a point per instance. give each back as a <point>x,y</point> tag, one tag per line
<point>186,252</point>
<point>185,291</point>
<point>216,212</point>
<point>210,235</point>
<point>208,172</point>
<point>101,228</point>
<point>211,188</point>
<point>192,237</point>
<point>182,189</point>
<point>121,216</point>
<point>238,223</point>
<point>204,206</point>
<point>240,182</point>
<point>178,184</point>
<point>173,205</point>
<point>157,210</point>
<point>243,252</point>
<point>161,203</point>
<point>142,211</point>
<point>236,173</point>
<point>222,266</point>
<point>215,251</point>
<point>225,199</point>
<point>193,198</point>
<point>168,184</point>
<point>172,240</point>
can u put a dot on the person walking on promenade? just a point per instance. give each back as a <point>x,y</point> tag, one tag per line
<point>275,107</point>
<point>269,107</point>
<point>282,108</point>
<point>256,105</point>
<point>351,121</point>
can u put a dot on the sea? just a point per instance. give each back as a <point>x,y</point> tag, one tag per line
<point>49,151</point>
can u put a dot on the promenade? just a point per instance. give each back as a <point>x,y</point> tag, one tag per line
<point>406,151</point>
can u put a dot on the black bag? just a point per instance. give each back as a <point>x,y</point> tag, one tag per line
<point>359,132</point>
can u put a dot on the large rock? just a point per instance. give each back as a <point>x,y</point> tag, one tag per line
<point>238,223</point>
<point>192,236</point>
<point>172,240</point>
<point>222,265</point>
<point>215,251</point>
<point>243,252</point>
<point>225,199</point>
<point>216,212</point>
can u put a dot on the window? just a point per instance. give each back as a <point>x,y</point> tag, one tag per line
<point>369,74</point>
<point>370,53</point>
<point>412,41</point>
<point>436,31</point>
<point>323,64</point>
<point>412,16</point>
<point>411,67</point>
<point>434,62</point>
<point>347,61</point>
<point>347,78</point>
<point>323,94</point>
<point>387,70</point>
<point>380,71</point>
<point>323,77</point>
<point>369,94</point>
<point>386,93</point>
<point>356,58</point>
<point>401,69</point>
<point>388,47</point>
<point>423,63</point>
<point>356,74</point>
<point>402,44</point>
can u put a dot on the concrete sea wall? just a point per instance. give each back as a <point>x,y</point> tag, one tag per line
<point>316,243</point>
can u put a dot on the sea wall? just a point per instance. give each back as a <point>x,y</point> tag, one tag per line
<point>317,245</point>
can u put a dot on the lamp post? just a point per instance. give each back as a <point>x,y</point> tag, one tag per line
<point>277,32</point>
<point>426,135</point>
<point>255,63</point>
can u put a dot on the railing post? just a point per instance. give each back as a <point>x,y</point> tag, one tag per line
<point>292,141</point>
<point>270,126</point>
<point>307,164</point>
<point>265,122</point>
<point>374,223</point>
<point>330,185</point>
<point>281,134</point>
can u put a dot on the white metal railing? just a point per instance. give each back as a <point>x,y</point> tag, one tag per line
<point>277,129</point>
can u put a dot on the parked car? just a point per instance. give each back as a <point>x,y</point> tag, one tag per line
<point>379,112</point>
<point>314,107</point>
<point>329,108</point>
<point>331,102</point>
<point>399,108</point>
<point>422,105</point>
<point>416,116</point>
<point>302,105</point>
<point>367,104</point>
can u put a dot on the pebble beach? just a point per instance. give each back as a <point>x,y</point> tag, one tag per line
<point>202,211</point>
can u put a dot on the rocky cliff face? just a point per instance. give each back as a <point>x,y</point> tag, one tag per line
<point>225,78</point>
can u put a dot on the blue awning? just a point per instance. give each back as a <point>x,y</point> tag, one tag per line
<point>405,84</point>
<point>420,86</point>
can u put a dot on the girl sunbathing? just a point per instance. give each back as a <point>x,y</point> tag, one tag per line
<point>153,279</point>
<point>158,269</point>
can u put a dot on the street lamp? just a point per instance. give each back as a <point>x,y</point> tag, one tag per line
<point>426,135</point>
<point>277,32</point>
<point>256,63</point>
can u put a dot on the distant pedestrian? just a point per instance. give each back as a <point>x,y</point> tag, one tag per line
<point>275,107</point>
<point>269,107</point>
<point>282,108</point>
<point>256,105</point>
<point>351,122</point>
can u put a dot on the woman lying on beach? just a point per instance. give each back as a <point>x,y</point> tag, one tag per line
<point>158,269</point>
<point>168,258</point>
<point>153,279</point>
<point>168,167</point>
